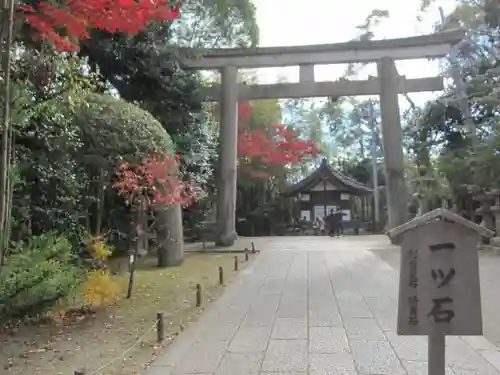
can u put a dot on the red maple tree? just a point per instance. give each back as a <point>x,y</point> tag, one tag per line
<point>261,151</point>
<point>64,26</point>
<point>156,180</point>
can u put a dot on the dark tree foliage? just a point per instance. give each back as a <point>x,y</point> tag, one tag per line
<point>142,73</point>
<point>146,72</point>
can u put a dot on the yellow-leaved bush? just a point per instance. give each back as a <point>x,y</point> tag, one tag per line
<point>100,289</point>
<point>99,249</point>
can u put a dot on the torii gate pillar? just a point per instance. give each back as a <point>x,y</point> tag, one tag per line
<point>392,139</point>
<point>228,158</point>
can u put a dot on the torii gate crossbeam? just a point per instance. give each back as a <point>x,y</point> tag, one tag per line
<point>388,85</point>
<point>418,47</point>
<point>323,89</point>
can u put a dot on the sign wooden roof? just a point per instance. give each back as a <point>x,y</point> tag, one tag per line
<point>438,214</point>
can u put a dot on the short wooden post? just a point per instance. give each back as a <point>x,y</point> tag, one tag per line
<point>236,263</point>
<point>221,275</point>
<point>246,255</point>
<point>439,282</point>
<point>253,247</point>
<point>132,261</point>
<point>160,328</point>
<point>198,295</point>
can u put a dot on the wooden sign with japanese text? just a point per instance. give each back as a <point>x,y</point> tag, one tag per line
<point>439,290</point>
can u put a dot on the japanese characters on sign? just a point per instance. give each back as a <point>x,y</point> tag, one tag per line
<point>439,281</point>
<point>413,284</point>
<point>442,308</point>
<point>439,311</point>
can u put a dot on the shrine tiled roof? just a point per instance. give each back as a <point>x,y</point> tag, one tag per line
<point>326,172</point>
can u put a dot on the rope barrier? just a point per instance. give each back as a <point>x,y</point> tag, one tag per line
<point>157,324</point>
<point>126,351</point>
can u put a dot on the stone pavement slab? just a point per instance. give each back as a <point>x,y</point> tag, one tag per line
<point>314,306</point>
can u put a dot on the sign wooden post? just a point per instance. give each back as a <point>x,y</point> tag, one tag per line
<point>439,291</point>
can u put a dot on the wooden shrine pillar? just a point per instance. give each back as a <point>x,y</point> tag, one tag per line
<point>228,158</point>
<point>392,139</point>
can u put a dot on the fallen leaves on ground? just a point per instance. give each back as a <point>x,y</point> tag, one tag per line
<point>92,339</point>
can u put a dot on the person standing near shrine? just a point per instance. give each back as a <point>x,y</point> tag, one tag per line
<point>339,225</point>
<point>331,223</point>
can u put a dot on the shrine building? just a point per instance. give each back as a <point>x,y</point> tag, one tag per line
<point>326,189</point>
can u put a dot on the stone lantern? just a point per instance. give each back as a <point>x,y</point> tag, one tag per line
<point>494,194</point>
<point>484,210</point>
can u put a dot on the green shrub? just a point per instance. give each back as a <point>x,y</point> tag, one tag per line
<point>114,131</point>
<point>39,272</point>
<point>51,191</point>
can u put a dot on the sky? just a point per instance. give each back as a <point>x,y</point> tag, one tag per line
<point>304,22</point>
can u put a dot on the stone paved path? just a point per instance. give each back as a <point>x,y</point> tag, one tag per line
<point>314,306</point>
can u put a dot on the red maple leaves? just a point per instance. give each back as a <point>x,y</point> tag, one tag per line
<point>261,150</point>
<point>156,180</point>
<point>278,146</point>
<point>66,26</point>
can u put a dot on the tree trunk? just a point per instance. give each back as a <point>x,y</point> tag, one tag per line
<point>145,226</point>
<point>100,202</point>
<point>8,206</point>
<point>6,24</point>
<point>140,233</point>
<point>169,235</point>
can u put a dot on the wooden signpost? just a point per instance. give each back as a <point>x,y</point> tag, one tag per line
<point>439,292</point>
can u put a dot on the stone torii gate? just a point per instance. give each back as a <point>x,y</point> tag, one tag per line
<point>388,84</point>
